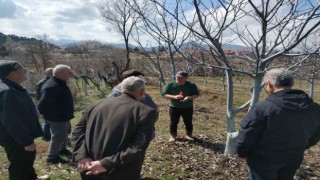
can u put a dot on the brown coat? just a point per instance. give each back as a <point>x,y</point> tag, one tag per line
<point>116,131</point>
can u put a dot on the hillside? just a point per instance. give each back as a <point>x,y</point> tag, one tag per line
<point>14,38</point>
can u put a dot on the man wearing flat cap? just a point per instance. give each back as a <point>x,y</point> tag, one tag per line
<point>19,124</point>
<point>181,94</point>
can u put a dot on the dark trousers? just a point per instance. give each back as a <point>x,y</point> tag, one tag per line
<point>46,130</point>
<point>186,114</point>
<point>261,170</point>
<point>21,162</point>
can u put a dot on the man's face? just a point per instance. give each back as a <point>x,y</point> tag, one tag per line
<point>269,87</point>
<point>66,74</point>
<point>19,75</point>
<point>50,73</point>
<point>140,94</point>
<point>181,80</point>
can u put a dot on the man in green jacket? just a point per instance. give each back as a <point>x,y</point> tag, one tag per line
<point>181,94</point>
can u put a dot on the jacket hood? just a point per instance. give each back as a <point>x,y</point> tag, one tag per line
<point>291,99</point>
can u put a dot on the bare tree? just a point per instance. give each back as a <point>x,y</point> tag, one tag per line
<point>162,28</point>
<point>270,28</point>
<point>310,66</point>
<point>122,17</point>
<point>9,45</point>
<point>39,51</point>
<point>44,50</point>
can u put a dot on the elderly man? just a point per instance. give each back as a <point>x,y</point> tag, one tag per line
<point>48,72</point>
<point>46,127</point>
<point>19,124</point>
<point>111,139</point>
<point>181,94</point>
<point>146,99</point>
<point>56,105</point>
<point>276,132</point>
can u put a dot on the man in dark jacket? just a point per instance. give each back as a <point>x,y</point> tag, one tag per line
<point>46,126</point>
<point>48,72</point>
<point>111,139</point>
<point>56,105</point>
<point>146,99</point>
<point>19,124</point>
<point>276,132</point>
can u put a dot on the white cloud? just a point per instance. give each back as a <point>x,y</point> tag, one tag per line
<point>60,19</point>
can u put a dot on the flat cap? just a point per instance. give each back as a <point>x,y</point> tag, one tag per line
<point>131,72</point>
<point>182,74</point>
<point>7,66</point>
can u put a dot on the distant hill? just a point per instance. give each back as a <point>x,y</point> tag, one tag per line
<point>234,47</point>
<point>3,38</point>
<point>68,42</point>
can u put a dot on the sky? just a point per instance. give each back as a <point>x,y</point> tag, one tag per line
<point>77,20</point>
<point>59,19</point>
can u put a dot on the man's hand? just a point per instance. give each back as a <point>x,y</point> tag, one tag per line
<point>95,168</point>
<point>178,97</point>
<point>185,99</point>
<point>84,163</point>
<point>31,147</point>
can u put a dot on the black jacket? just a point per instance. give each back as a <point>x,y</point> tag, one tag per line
<point>39,86</point>
<point>56,103</point>
<point>18,115</point>
<point>285,124</point>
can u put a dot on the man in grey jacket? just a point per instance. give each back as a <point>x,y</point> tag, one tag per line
<point>111,139</point>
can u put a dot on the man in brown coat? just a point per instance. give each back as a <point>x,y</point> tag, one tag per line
<point>111,139</point>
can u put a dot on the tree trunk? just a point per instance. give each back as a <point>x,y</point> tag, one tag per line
<point>231,144</point>
<point>231,141</point>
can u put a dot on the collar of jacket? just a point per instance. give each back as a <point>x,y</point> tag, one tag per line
<point>11,83</point>
<point>126,94</point>
<point>59,81</point>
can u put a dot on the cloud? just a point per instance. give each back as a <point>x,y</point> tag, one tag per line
<point>59,19</point>
<point>77,14</point>
<point>7,9</point>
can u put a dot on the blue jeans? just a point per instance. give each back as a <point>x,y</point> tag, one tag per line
<point>263,170</point>
<point>46,130</point>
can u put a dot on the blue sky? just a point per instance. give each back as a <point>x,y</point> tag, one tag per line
<point>60,19</point>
